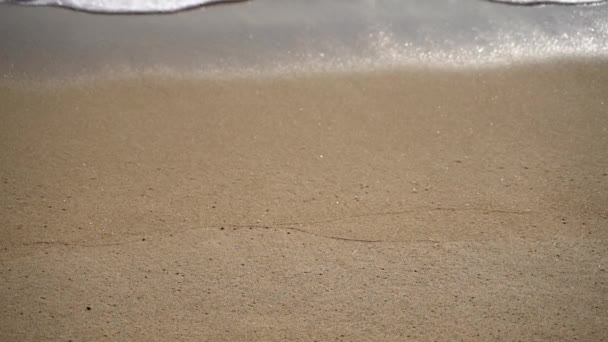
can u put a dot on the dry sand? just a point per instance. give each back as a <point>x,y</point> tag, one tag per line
<point>404,205</point>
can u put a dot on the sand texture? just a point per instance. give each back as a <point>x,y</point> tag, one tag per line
<point>403,205</point>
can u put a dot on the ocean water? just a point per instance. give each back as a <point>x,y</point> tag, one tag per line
<point>156,6</point>
<point>274,37</point>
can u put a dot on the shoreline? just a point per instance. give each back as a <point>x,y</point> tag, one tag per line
<point>266,37</point>
<point>126,74</point>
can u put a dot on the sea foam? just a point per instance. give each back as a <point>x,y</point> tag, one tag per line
<point>122,6</point>
<point>168,6</point>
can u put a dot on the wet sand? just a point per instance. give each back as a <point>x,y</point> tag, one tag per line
<point>411,204</point>
<point>264,37</point>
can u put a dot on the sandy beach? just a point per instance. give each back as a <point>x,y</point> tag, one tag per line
<point>398,205</point>
<point>305,171</point>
